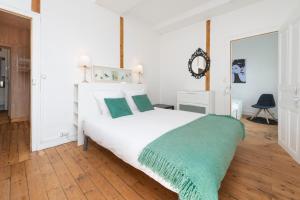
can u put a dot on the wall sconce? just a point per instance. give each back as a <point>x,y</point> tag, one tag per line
<point>85,62</point>
<point>140,71</point>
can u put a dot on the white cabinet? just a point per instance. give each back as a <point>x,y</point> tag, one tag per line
<point>196,101</point>
<point>289,89</point>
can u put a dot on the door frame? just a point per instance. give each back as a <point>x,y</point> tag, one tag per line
<point>229,39</point>
<point>7,97</point>
<point>35,100</point>
<point>245,37</point>
<point>284,130</point>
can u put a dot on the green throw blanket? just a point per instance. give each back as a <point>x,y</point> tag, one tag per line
<point>194,158</point>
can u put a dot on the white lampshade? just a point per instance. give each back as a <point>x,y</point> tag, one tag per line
<point>84,61</point>
<point>139,69</point>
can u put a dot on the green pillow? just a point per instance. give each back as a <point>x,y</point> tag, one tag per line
<point>118,107</point>
<point>142,102</point>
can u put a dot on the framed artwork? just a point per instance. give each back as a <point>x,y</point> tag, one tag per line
<point>239,71</point>
<point>110,74</point>
<point>125,75</point>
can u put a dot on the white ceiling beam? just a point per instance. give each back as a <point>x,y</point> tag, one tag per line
<point>211,9</point>
<point>146,9</point>
<point>191,14</point>
<point>121,7</point>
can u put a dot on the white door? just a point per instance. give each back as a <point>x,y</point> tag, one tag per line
<point>289,89</point>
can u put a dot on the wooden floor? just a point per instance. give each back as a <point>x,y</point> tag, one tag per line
<point>260,170</point>
<point>4,117</point>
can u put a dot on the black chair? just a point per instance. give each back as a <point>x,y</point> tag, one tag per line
<point>265,102</point>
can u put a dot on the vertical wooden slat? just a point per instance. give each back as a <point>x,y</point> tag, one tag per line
<point>207,80</point>
<point>121,42</point>
<point>36,6</point>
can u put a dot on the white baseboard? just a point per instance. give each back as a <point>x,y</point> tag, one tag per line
<point>289,152</point>
<point>52,142</point>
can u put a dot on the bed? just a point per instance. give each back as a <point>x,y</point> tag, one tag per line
<point>127,137</point>
<point>128,143</point>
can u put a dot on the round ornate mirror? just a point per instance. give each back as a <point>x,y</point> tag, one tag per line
<point>199,63</point>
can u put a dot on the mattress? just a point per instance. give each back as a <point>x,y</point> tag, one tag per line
<point>127,136</point>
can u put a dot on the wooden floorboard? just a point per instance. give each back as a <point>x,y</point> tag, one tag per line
<point>36,187</point>
<point>82,179</point>
<point>51,184</point>
<point>18,182</point>
<point>261,169</point>
<point>68,183</point>
<point>5,189</point>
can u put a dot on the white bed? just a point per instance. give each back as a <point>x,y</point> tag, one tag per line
<point>127,136</point>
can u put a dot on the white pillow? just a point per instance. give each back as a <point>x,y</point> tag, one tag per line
<point>101,95</point>
<point>128,95</point>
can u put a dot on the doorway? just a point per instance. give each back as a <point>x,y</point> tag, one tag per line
<point>254,78</point>
<point>15,75</point>
<point>4,78</point>
<point>4,81</point>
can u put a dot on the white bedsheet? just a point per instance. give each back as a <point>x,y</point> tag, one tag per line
<point>127,136</point>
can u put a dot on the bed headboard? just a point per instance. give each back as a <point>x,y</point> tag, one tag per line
<point>87,106</point>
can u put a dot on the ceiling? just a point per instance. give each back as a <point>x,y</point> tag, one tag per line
<point>165,15</point>
<point>14,20</point>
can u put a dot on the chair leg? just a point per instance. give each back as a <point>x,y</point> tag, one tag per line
<point>266,116</point>
<point>271,114</point>
<point>256,114</point>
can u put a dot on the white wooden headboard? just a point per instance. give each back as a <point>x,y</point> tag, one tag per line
<point>87,106</point>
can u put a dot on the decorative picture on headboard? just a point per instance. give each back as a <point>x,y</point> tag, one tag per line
<point>110,74</point>
<point>239,71</point>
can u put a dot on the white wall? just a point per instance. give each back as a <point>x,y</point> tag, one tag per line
<point>24,5</point>
<point>85,29</point>
<point>262,17</point>
<point>261,54</point>
<point>69,29</point>
<point>142,47</point>
<point>176,49</point>
<point>177,46</point>
<point>66,33</point>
